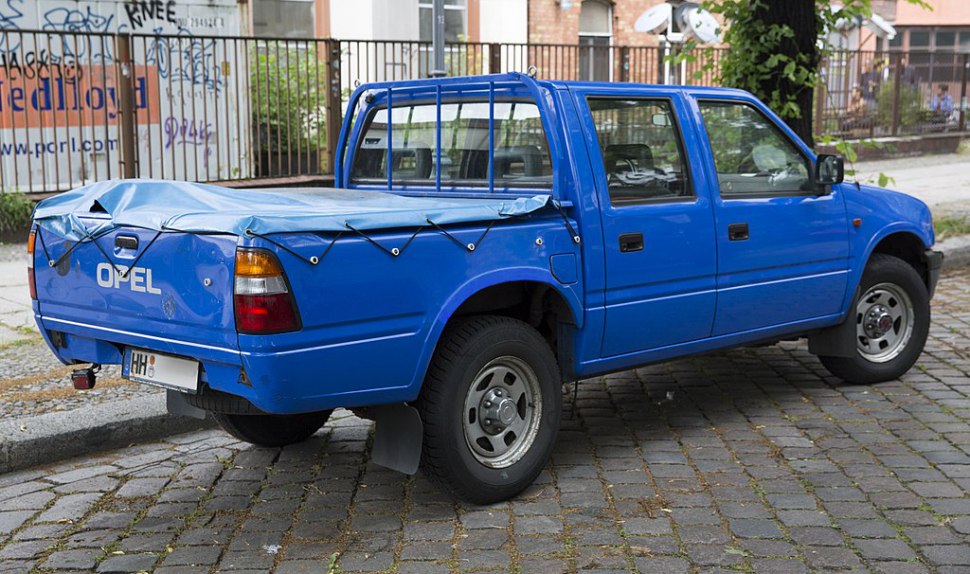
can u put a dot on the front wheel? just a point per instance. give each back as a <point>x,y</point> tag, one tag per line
<point>272,430</point>
<point>491,406</point>
<point>892,321</point>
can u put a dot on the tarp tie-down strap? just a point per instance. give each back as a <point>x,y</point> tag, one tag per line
<point>93,237</point>
<point>312,260</point>
<point>569,226</point>
<point>138,257</point>
<point>466,246</point>
<point>394,251</point>
<point>90,236</point>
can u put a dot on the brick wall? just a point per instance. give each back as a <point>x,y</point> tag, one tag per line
<point>550,24</point>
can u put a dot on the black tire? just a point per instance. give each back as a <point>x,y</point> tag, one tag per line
<point>465,350</point>
<point>858,369</point>
<point>272,430</point>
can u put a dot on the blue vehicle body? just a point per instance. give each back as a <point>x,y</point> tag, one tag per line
<point>371,319</point>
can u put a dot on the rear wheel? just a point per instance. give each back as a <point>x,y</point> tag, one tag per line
<point>892,321</point>
<point>272,430</point>
<point>491,406</point>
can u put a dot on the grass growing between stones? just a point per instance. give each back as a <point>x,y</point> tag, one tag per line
<point>947,226</point>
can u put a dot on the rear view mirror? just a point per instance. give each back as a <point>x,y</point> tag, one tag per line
<point>660,120</point>
<point>829,169</point>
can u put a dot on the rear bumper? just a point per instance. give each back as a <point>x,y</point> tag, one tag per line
<point>934,264</point>
<point>280,382</point>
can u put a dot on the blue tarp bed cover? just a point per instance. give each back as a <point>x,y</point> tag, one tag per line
<point>199,208</point>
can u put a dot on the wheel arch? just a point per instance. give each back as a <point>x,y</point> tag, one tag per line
<point>900,240</point>
<point>905,244</point>
<point>536,297</point>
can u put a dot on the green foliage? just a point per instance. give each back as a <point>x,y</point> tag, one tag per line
<point>910,103</point>
<point>15,212</point>
<point>288,98</point>
<point>753,62</point>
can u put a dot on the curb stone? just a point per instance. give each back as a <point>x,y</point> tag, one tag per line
<point>43,439</point>
<point>956,251</point>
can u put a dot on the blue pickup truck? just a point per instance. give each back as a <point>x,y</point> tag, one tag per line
<point>489,239</point>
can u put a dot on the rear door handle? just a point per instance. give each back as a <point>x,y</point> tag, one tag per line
<point>631,242</point>
<point>738,232</point>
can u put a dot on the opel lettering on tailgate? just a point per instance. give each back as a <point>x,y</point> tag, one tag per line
<point>138,279</point>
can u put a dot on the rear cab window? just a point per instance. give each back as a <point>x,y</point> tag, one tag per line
<point>521,150</point>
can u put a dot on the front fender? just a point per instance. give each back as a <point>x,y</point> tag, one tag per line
<point>880,213</point>
<point>467,290</point>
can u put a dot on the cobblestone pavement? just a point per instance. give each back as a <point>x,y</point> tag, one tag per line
<point>751,460</point>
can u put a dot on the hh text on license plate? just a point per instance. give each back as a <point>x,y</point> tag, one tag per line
<point>163,370</point>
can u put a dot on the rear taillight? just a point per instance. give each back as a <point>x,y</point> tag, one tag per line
<point>262,298</point>
<point>31,281</point>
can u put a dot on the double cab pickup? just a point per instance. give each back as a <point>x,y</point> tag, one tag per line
<point>488,239</point>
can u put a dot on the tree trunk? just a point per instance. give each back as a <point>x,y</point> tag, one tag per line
<point>801,17</point>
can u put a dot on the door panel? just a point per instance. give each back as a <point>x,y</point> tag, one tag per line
<point>782,247</point>
<point>658,235</point>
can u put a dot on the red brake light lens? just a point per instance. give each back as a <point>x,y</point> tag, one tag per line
<point>31,280</point>
<point>265,314</point>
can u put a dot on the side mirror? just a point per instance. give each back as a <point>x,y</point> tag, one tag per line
<point>829,169</point>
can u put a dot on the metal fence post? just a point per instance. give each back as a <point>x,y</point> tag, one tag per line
<point>334,99</point>
<point>963,92</point>
<point>820,86</point>
<point>125,75</point>
<point>494,58</point>
<point>897,86</point>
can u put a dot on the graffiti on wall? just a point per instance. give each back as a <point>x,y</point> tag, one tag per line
<point>59,95</point>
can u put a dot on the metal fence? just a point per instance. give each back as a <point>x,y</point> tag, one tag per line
<point>872,94</point>
<point>82,107</point>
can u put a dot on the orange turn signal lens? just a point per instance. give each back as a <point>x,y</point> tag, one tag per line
<point>256,264</point>
<point>31,239</point>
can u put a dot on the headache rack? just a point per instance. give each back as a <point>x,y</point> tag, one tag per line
<point>438,88</point>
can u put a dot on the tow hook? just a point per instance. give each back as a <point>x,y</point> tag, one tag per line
<point>84,379</point>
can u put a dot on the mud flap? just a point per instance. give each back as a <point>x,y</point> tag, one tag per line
<point>177,405</point>
<point>397,438</point>
<point>837,341</point>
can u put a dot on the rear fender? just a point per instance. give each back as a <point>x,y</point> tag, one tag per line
<point>570,294</point>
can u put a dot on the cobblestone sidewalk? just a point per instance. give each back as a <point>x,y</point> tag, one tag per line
<point>752,460</point>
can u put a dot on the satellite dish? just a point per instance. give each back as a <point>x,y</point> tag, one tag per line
<point>701,23</point>
<point>654,18</point>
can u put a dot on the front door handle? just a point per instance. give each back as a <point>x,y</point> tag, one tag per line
<point>738,232</point>
<point>631,242</point>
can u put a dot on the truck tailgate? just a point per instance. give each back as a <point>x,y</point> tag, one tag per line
<point>176,285</point>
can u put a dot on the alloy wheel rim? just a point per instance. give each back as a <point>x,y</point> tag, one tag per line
<point>502,410</point>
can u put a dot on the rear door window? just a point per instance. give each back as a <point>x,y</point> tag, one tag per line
<point>521,150</point>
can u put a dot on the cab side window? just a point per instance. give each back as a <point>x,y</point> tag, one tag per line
<point>641,150</point>
<point>752,156</point>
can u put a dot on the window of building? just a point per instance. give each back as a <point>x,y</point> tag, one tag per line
<point>284,18</point>
<point>919,40</point>
<point>945,41</point>
<point>456,20</point>
<point>595,34</point>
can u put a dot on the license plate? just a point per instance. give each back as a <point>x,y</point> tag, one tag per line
<point>166,371</point>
